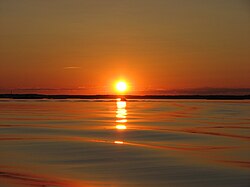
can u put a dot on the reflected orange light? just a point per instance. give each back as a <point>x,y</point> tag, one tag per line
<point>118,142</point>
<point>121,104</point>
<point>121,127</point>
<point>121,120</point>
<point>121,113</point>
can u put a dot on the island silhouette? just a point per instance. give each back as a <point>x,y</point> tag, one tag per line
<point>44,96</point>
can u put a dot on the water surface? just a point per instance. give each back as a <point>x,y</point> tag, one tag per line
<point>76,143</point>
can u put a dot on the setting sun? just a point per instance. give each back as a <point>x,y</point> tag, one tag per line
<point>121,86</point>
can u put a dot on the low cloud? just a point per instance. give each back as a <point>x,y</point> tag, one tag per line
<point>72,67</point>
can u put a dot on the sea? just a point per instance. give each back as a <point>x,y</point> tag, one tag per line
<point>118,143</point>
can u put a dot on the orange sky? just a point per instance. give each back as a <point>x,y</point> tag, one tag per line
<point>153,44</point>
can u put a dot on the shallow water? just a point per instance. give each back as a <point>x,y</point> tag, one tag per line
<point>76,143</point>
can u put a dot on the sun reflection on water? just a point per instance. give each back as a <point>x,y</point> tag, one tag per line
<point>118,142</point>
<point>121,114</point>
<point>121,118</point>
<point>121,104</point>
<point>121,127</point>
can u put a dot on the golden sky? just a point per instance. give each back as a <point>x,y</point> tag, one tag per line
<point>152,44</point>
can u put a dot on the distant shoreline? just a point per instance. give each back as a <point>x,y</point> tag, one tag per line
<point>206,97</point>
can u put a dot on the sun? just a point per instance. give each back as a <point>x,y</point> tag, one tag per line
<point>121,86</point>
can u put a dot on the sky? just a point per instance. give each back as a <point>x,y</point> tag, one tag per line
<point>85,46</point>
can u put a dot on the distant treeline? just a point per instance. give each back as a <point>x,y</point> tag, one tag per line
<point>41,96</point>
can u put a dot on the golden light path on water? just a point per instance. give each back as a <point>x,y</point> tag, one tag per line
<point>118,142</point>
<point>121,127</point>
<point>121,117</point>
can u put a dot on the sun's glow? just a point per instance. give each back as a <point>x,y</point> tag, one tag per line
<point>121,86</point>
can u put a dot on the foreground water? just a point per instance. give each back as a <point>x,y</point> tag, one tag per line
<point>78,143</point>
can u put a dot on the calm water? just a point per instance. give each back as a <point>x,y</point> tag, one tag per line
<point>135,143</point>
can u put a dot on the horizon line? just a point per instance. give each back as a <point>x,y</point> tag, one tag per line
<point>115,96</point>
